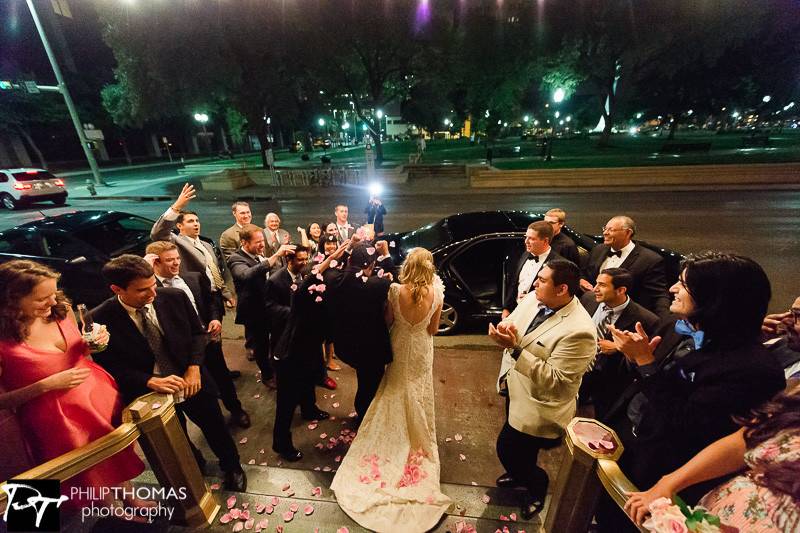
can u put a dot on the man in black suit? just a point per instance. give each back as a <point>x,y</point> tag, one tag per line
<point>523,274</point>
<point>610,305</point>
<point>618,250</point>
<point>359,330</point>
<point>157,344</point>
<point>166,261</point>
<point>250,270</point>
<point>561,243</point>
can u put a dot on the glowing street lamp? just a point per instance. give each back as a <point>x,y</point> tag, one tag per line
<point>526,118</point>
<point>446,122</point>
<point>559,95</point>
<point>202,118</point>
<point>379,114</point>
<point>766,99</point>
<point>346,125</point>
<point>321,122</point>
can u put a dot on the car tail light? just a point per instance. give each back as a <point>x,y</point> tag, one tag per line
<point>32,172</point>
<point>59,182</point>
<point>22,186</point>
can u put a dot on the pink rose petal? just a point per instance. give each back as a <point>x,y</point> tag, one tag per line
<point>293,287</point>
<point>312,426</point>
<point>262,450</point>
<point>278,529</point>
<point>243,440</point>
<point>249,524</point>
<point>335,405</point>
<point>260,508</point>
<point>462,457</point>
<point>214,486</point>
<point>392,244</point>
<point>326,468</point>
<point>287,516</point>
<point>286,486</point>
<point>318,299</point>
<point>294,507</point>
<point>312,288</point>
<point>458,437</point>
<point>269,509</point>
<point>504,518</point>
<point>245,505</point>
<point>155,405</point>
<point>334,262</point>
<point>235,514</point>
<point>485,498</point>
<point>448,439</point>
<point>321,287</point>
<point>342,530</point>
<point>263,463</point>
<point>224,519</point>
<point>316,491</point>
<point>319,257</point>
<point>338,458</point>
<point>262,525</point>
<point>352,414</point>
<point>308,509</point>
<point>316,468</point>
<point>513,517</point>
<point>323,435</point>
<point>364,278</point>
<point>230,502</point>
<point>319,277</point>
<point>275,501</point>
<point>371,250</point>
<point>238,526</point>
<point>244,515</point>
<point>251,462</point>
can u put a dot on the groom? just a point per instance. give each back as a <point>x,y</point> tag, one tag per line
<point>359,330</point>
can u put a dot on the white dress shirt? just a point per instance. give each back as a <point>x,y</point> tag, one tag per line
<point>614,261</point>
<point>151,316</point>
<point>179,283</point>
<point>528,274</point>
<point>599,313</point>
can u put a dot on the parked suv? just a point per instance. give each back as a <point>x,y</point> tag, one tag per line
<point>19,186</point>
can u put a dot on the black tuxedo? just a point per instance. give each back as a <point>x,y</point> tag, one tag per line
<point>612,373</point>
<point>130,361</point>
<point>647,268</point>
<point>278,302</point>
<point>565,247</point>
<point>512,277</point>
<point>209,308</point>
<point>359,330</point>
<point>250,279</point>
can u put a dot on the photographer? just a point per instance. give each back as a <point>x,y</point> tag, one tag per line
<point>375,212</point>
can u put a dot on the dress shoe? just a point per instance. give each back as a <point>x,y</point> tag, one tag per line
<point>319,414</point>
<point>329,383</point>
<point>506,480</point>
<point>291,454</point>
<point>531,508</point>
<point>235,374</point>
<point>240,418</point>
<point>235,480</point>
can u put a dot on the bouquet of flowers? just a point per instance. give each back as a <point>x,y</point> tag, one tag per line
<point>668,516</point>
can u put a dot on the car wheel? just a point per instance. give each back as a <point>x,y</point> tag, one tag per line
<point>449,320</point>
<point>60,200</point>
<point>8,201</point>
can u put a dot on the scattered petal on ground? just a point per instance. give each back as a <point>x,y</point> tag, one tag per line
<point>318,299</point>
<point>448,439</point>
<point>275,501</point>
<point>287,516</point>
<point>294,507</point>
<point>262,525</point>
<point>238,526</point>
<point>268,509</point>
<point>262,464</point>
<point>458,437</point>
<point>342,530</point>
<point>289,493</point>
<point>485,498</point>
<point>316,491</point>
<point>462,457</point>
<point>352,414</point>
<point>245,505</point>
<point>155,405</point>
<point>224,519</point>
<point>323,435</point>
<point>243,440</point>
<point>262,450</point>
<point>214,486</point>
<point>316,468</point>
<point>244,515</point>
<point>513,517</point>
<point>251,462</point>
<point>473,483</point>
<point>308,509</point>
<point>230,502</point>
<point>260,508</point>
<point>326,469</point>
<point>312,426</point>
<point>338,458</point>
<point>249,524</point>
<point>335,405</point>
<point>235,514</point>
<point>504,518</point>
<point>256,396</point>
<point>286,486</point>
<point>279,529</point>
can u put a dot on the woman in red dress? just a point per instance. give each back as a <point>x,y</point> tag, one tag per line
<point>63,400</point>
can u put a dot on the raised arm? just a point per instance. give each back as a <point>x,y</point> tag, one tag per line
<point>303,236</point>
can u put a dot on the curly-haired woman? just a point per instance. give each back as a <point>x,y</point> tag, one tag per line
<point>63,400</point>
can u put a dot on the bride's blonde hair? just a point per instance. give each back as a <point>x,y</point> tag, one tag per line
<point>417,272</point>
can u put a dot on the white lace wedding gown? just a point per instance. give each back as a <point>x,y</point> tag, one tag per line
<point>389,479</point>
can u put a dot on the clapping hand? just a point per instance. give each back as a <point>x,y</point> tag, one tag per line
<point>504,335</point>
<point>637,347</point>
<point>382,247</point>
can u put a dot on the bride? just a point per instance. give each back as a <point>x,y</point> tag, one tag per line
<point>390,476</point>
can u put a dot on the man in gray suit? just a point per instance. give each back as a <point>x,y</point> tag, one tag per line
<point>274,238</point>
<point>229,241</point>
<point>551,340</point>
<point>196,254</point>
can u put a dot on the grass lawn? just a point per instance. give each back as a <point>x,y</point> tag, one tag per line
<point>579,152</point>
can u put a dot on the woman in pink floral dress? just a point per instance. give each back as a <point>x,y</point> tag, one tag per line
<point>765,497</point>
<point>389,480</point>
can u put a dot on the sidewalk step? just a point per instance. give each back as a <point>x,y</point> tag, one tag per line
<point>265,482</point>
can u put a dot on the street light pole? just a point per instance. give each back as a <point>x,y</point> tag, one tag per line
<point>62,88</point>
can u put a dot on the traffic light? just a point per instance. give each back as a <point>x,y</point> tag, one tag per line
<point>6,85</point>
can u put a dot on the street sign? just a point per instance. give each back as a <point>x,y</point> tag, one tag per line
<point>31,87</point>
<point>94,135</point>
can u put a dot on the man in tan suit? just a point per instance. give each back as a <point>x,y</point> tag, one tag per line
<point>274,238</point>
<point>551,340</point>
<point>229,241</point>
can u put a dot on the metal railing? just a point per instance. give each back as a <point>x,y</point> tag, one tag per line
<point>319,177</point>
<point>151,419</point>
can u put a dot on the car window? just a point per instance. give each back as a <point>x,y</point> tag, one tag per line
<point>480,267</point>
<point>114,236</point>
<point>30,175</point>
<point>21,241</point>
<point>60,244</point>
<point>429,237</point>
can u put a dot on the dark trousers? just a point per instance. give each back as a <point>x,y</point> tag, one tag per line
<point>293,389</point>
<point>218,368</point>
<point>518,453</point>
<point>257,338</point>
<point>203,409</point>
<point>369,378</point>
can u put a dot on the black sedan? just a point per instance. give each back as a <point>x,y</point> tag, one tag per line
<point>472,252</point>
<point>77,245</point>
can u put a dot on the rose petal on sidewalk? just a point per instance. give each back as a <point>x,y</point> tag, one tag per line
<point>462,457</point>
<point>249,524</point>
<point>224,519</point>
<point>287,516</point>
<point>214,486</point>
<point>485,498</point>
<point>458,437</point>
<point>243,440</point>
<point>238,526</point>
<point>230,502</point>
<point>308,510</point>
<point>316,491</point>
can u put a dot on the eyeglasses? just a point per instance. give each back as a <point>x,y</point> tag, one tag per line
<point>610,230</point>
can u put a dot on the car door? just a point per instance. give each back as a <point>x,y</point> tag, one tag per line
<point>80,265</point>
<point>481,267</point>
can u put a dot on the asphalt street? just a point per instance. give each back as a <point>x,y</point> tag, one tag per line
<point>761,224</point>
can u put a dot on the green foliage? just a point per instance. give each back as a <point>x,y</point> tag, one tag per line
<point>237,125</point>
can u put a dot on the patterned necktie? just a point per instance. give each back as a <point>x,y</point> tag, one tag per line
<point>607,315</point>
<point>211,263</point>
<point>156,342</point>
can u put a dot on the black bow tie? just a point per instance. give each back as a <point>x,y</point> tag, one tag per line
<point>534,257</point>
<point>611,253</point>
